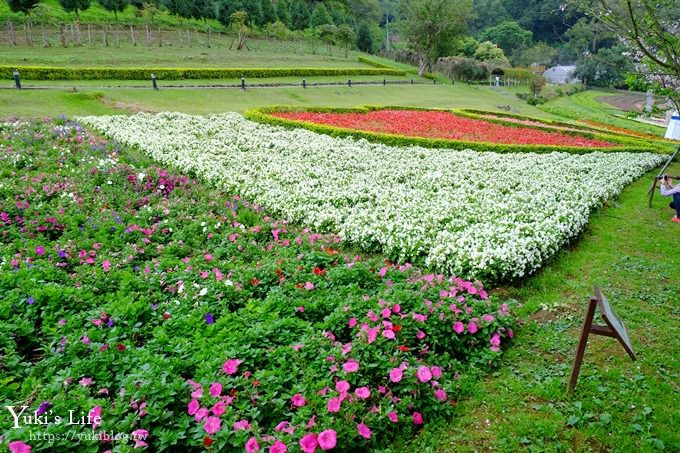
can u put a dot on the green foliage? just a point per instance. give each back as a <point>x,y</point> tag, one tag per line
<point>299,14</point>
<point>320,16</point>
<point>540,53</point>
<point>114,6</point>
<point>365,38</point>
<point>268,12</point>
<point>74,6</point>
<point>47,73</point>
<point>462,69</point>
<point>466,47</point>
<point>283,13</point>
<point>432,28</point>
<point>22,6</point>
<point>278,30</point>
<point>488,51</point>
<point>608,67</point>
<point>509,36</point>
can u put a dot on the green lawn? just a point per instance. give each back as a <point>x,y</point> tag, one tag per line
<point>202,101</point>
<point>585,106</point>
<point>631,252</point>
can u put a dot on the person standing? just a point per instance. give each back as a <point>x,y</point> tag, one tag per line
<point>669,190</point>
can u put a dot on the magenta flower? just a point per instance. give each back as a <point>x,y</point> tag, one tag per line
<point>241,424</point>
<point>350,366</point>
<point>95,415</point>
<point>215,389</point>
<point>309,286</point>
<point>139,436</point>
<point>364,431</point>
<point>352,322</point>
<point>362,392</point>
<point>106,265</point>
<point>252,446</point>
<point>298,400</point>
<point>308,443</point>
<point>342,386</point>
<point>388,334</point>
<point>85,382</point>
<point>201,414</point>
<point>440,394</point>
<point>278,447</point>
<point>334,405</point>
<point>396,374</point>
<point>19,447</point>
<point>327,439</point>
<point>230,366</point>
<point>436,372</point>
<point>219,408</point>
<point>212,425</point>
<point>40,250</point>
<point>417,418</point>
<point>424,374</point>
<point>393,417</point>
<point>458,327</point>
<point>495,339</point>
<point>420,335</point>
<point>193,407</point>
<point>472,327</point>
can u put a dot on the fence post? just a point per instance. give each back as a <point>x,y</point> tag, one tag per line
<point>304,83</point>
<point>384,81</point>
<point>153,82</point>
<point>17,79</point>
<point>349,83</point>
<point>243,83</point>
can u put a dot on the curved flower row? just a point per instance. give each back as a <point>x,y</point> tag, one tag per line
<point>473,214</point>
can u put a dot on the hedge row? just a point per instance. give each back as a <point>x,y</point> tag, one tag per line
<point>54,73</point>
<point>263,115</point>
<point>584,131</point>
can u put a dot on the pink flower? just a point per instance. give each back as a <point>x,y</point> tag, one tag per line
<point>106,265</point>
<point>85,382</point>
<point>495,339</point>
<point>309,286</point>
<point>396,374</point>
<point>440,394</point>
<point>40,250</point>
<point>298,400</point>
<point>231,365</point>
<point>95,415</point>
<point>215,389</point>
<point>219,408</point>
<point>193,407</point>
<point>208,257</point>
<point>352,322</point>
<point>342,386</point>
<point>201,414</point>
<point>436,372</point>
<point>362,393</point>
<point>278,447</point>
<point>420,335</point>
<point>510,333</point>
<point>19,447</point>
<point>458,327</point>
<point>311,422</point>
<point>241,424</point>
<point>212,425</point>
<point>139,436</point>
<point>327,439</point>
<point>252,446</point>
<point>472,327</point>
<point>334,405</point>
<point>417,418</point>
<point>424,374</point>
<point>388,334</point>
<point>308,443</point>
<point>393,417</point>
<point>350,366</point>
<point>364,431</point>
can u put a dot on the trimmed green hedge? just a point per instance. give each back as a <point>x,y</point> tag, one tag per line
<point>263,115</point>
<point>54,73</point>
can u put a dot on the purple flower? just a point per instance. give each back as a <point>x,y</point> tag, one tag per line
<point>43,408</point>
<point>209,318</point>
<point>30,300</point>
<point>61,253</point>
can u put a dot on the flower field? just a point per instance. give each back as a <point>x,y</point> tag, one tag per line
<point>473,214</point>
<point>145,309</point>
<point>444,125</point>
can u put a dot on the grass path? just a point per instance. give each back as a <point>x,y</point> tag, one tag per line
<point>632,252</point>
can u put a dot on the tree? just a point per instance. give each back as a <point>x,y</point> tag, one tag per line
<point>268,12</point>
<point>299,13</point>
<point>114,6</point>
<point>278,30</point>
<point>283,13</point>
<point>509,36</point>
<point>328,34</point>
<point>346,37</point>
<point>22,6</point>
<point>431,28</point>
<point>254,10</point>
<point>180,8</point>
<point>202,9</point>
<point>490,52</point>
<point>365,38</point>
<point>238,21</point>
<point>466,46</point>
<point>606,68</point>
<point>320,16</point>
<point>652,30</point>
<point>540,53</point>
<point>75,6</point>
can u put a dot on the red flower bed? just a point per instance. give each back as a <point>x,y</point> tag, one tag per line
<point>431,124</point>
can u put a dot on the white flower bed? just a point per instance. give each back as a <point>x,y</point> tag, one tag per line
<point>474,214</point>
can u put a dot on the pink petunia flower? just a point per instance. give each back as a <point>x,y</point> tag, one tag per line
<point>436,372</point>
<point>424,374</point>
<point>212,425</point>
<point>327,439</point>
<point>278,447</point>
<point>396,374</point>
<point>334,405</point>
<point>350,366</point>
<point>308,443</point>
<point>96,416</point>
<point>417,418</point>
<point>106,265</point>
<point>201,414</point>
<point>458,327</point>
<point>342,386</point>
<point>241,424</point>
<point>139,436</point>
<point>393,417</point>
<point>193,407</point>
<point>389,334</point>
<point>19,447</point>
<point>362,392</point>
<point>230,366</point>
<point>309,286</point>
<point>252,446</point>
<point>40,250</point>
<point>215,389</point>
<point>219,408</point>
<point>495,339</point>
<point>440,394</point>
<point>352,322</point>
<point>298,400</point>
<point>364,431</point>
<point>472,327</point>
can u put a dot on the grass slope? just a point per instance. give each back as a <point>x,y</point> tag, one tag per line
<point>632,253</point>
